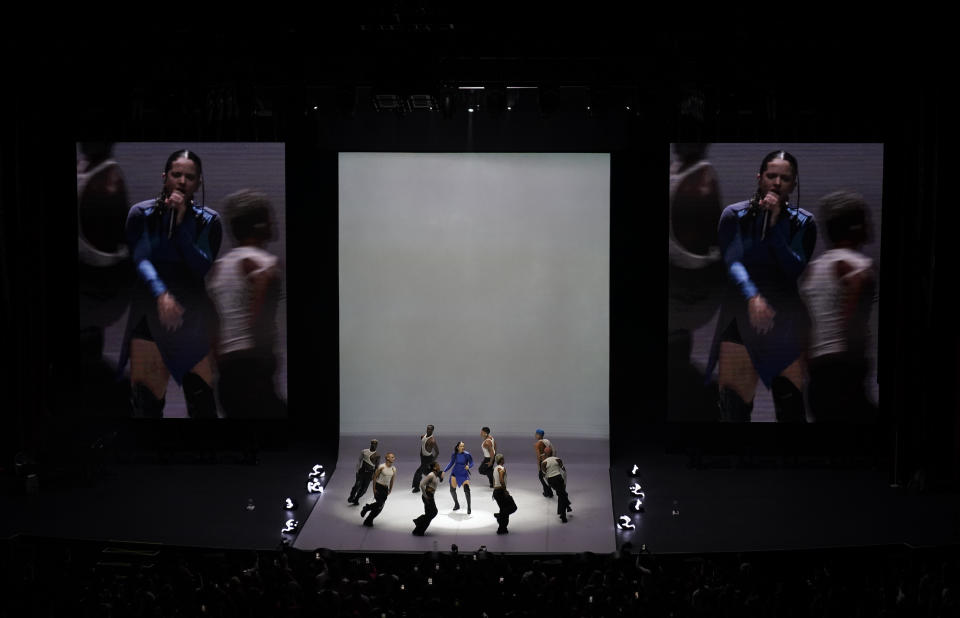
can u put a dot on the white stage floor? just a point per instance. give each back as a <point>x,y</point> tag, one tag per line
<point>534,528</point>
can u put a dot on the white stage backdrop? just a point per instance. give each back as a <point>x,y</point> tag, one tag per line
<point>474,290</point>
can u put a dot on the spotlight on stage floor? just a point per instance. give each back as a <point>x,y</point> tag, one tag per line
<point>290,504</point>
<point>624,523</point>
<point>291,526</point>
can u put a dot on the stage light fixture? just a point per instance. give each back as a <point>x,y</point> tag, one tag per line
<point>290,504</point>
<point>637,506</point>
<point>635,471</point>
<point>389,102</point>
<point>422,101</point>
<point>624,523</point>
<point>290,527</point>
<point>250,505</point>
<point>635,489</point>
<point>314,486</point>
<point>317,471</point>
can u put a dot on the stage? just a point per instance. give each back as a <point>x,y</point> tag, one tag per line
<point>535,528</point>
<point>723,508</point>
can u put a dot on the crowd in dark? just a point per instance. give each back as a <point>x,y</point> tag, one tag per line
<point>48,577</point>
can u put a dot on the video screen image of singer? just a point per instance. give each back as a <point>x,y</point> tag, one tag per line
<point>774,262</point>
<point>182,292</point>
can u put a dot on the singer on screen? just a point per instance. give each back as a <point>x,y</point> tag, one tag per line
<point>766,243</point>
<point>173,242</point>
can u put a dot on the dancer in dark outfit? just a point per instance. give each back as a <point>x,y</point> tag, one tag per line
<point>556,475</point>
<point>543,449</point>
<point>428,455</point>
<point>365,469</point>
<point>382,486</point>
<point>500,494</point>
<point>489,448</point>
<point>428,487</point>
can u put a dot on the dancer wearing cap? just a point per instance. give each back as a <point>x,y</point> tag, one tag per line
<point>543,449</point>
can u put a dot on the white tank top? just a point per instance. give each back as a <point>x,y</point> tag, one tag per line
<point>231,291</point>
<point>365,455</point>
<point>423,445</point>
<point>487,453</point>
<point>386,474</point>
<point>547,443</point>
<point>431,481</point>
<point>496,476</point>
<point>823,293</point>
<point>552,467</point>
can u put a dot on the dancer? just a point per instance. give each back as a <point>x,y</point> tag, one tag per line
<point>428,455</point>
<point>245,288</point>
<point>489,448</point>
<point>766,243</point>
<point>552,468</point>
<point>382,486</point>
<point>500,494</point>
<point>173,242</point>
<point>428,486</point>
<point>366,466</point>
<point>104,275</point>
<point>460,461</point>
<point>543,448</point>
<point>838,289</point>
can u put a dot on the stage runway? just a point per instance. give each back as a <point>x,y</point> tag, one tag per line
<point>534,528</point>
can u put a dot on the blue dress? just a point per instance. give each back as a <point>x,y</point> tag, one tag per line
<point>769,266</point>
<point>459,463</point>
<point>177,265</point>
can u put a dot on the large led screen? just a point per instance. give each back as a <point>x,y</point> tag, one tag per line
<point>474,290</point>
<point>774,261</point>
<point>182,290</point>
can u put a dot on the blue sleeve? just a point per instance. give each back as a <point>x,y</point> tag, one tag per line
<point>453,459</point>
<point>199,249</point>
<point>793,256</point>
<point>731,245</point>
<point>138,239</point>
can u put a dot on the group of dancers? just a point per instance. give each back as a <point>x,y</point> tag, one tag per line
<point>426,480</point>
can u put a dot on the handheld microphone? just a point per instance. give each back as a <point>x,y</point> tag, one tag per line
<point>766,212</point>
